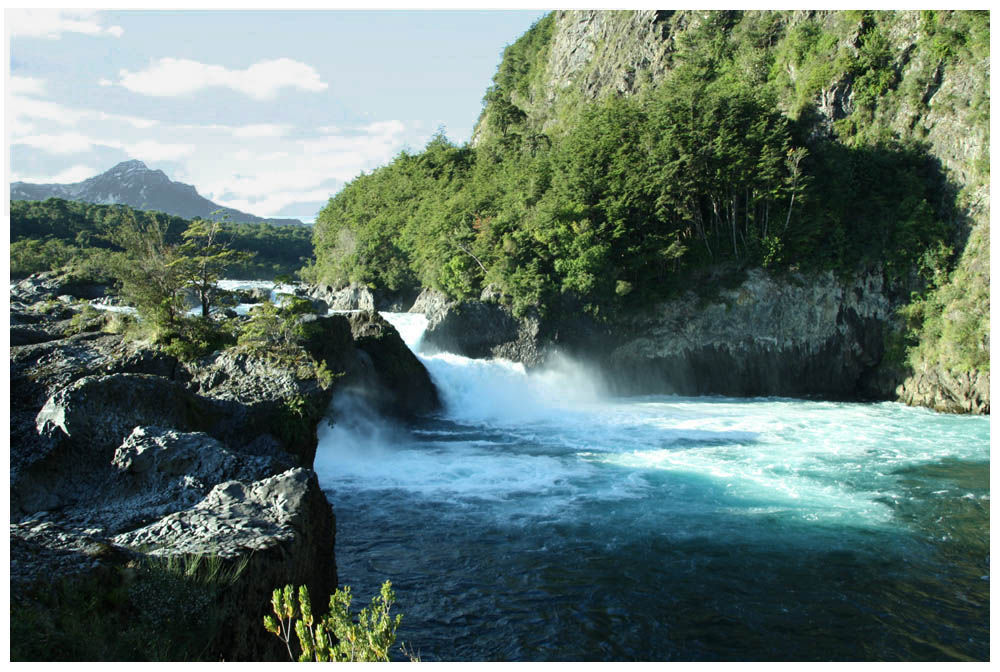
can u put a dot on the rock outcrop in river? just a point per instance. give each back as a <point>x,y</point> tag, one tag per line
<point>121,453</point>
<point>790,336</point>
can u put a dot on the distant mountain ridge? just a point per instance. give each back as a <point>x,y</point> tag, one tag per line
<point>132,183</point>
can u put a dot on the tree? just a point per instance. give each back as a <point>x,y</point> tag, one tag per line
<point>149,275</point>
<point>202,258</point>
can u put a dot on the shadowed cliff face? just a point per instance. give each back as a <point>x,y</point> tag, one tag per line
<point>784,336</point>
<point>791,336</point>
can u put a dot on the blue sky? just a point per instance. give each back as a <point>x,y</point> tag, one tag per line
<point>269,112</point>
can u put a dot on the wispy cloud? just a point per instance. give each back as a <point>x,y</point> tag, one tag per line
<point>179,77</point>
<point>25,107</point>
<point>52,23</point>
<point>26,86</point>
<point>269,181</point>
<point>59,143</point>
<point>272,203</point>
<point>77,173</point>
<point>77,143</point>
<point>261,131</point>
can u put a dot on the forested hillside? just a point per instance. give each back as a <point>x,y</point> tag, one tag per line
<point>622,156</point>
<point>53,234</point>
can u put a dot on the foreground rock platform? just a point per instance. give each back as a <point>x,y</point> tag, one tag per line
<point>121,454</point>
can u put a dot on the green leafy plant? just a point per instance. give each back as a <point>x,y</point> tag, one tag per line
<point>338,636</point>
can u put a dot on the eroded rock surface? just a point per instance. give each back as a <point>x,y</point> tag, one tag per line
<point>120,452</point>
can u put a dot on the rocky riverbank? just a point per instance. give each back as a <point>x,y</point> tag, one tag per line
<point>791,335</point>
<point>122,454</point>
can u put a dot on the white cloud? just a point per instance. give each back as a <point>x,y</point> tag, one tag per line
<point>246,155</point>
<point>77,143</point>
<point>268,181</point>
<point>136,122</point>
<point>151,150</point>
<point>31,108</point>
<point>52,23</point>
<point>389,128</point>
<point>261,131</point>
<point>179,77</point>
<point>274,202</point>
<point>26,86</point>
<point>77,173</point>
<point>105,82</point>
<point>62,143</point>
<point>24,108</point>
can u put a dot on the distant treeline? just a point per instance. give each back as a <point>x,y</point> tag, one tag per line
<point>55,233</point>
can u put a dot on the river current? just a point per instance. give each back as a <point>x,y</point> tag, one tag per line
<point>536,518</point>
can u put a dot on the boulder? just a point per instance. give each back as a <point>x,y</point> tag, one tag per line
<point>355,296</point>
<point>101,411</point>
<point>395,381</point>
<point>52,284</point>
<point>281,526</point>
<point>358,296</point>
<point>482,329</point>
<point>431,303</point>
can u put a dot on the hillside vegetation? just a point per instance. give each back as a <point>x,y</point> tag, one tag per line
<point>686,144</point>
<point>57,234</point>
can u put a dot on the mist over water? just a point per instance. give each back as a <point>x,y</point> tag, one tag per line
<point>537,518</point>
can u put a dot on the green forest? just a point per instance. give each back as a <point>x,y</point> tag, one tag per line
<point>80,238</point>
<point>718,167</point>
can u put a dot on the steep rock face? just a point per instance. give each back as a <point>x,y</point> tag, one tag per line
<point>935,95</point>
<point>120,453</point>
<point>282,525</point>
<point>602,52</point>
<point>791,336</point>
<point>395,381</point>
<point>483,328</point>
<point>947,390</point>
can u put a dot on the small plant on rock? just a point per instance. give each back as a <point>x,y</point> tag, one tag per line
<point>338,636</point>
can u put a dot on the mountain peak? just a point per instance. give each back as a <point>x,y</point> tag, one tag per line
<point>129,166</point>
<point>134,184</point>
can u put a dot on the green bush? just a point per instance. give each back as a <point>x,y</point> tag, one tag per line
<point>338,636</point>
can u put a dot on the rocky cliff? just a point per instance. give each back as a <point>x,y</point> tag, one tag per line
<point>125,460</point>
<point>790,335</point>
<point>857,79</point>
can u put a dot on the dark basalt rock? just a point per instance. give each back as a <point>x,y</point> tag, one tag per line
<point>394,381</point>
<point>119,451</point>
<point>51,284</point>
<point>479,329</point>
<point>282,526</point>
<point>357,296</point>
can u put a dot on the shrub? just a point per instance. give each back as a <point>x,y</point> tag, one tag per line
<point>338,636</point>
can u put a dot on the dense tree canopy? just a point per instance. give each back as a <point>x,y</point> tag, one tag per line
<point>54,233</point>
<point>703,170</point>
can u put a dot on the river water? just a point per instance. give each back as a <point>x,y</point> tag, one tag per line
<point>538,519</point>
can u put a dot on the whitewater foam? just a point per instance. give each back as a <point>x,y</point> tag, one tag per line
<point>550,440</point>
